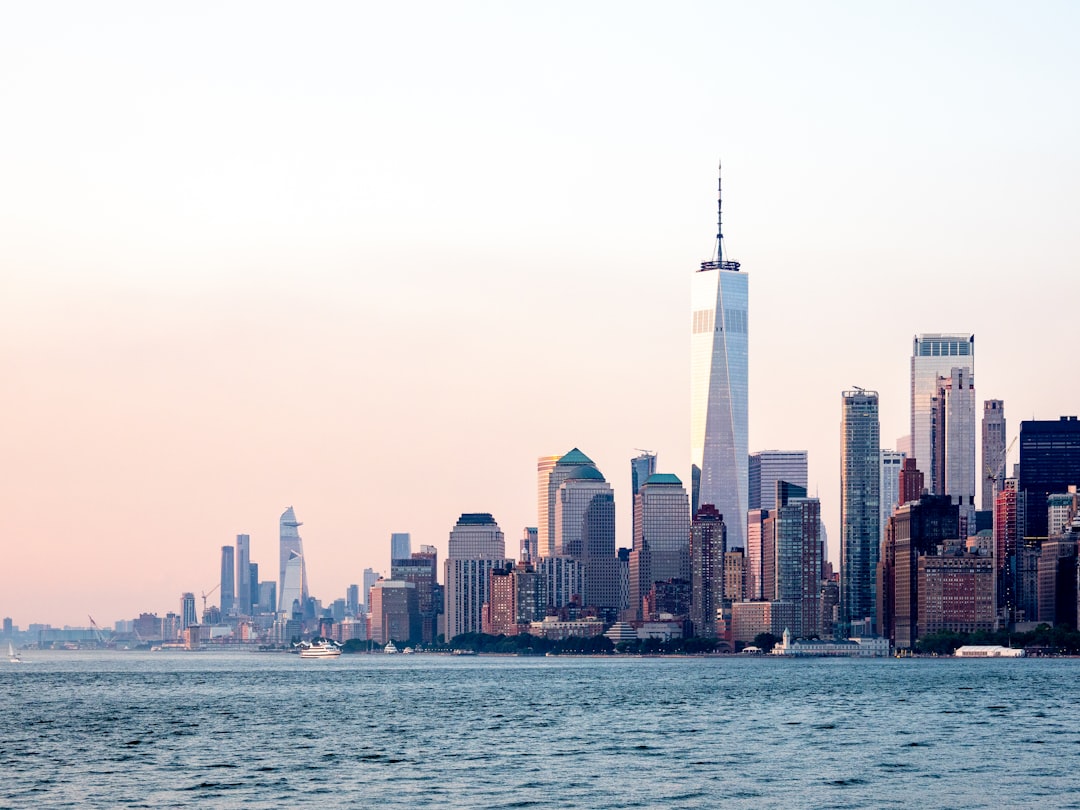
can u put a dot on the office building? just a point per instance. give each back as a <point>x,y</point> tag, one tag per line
<point>421,570</point>
<point>661,549</point>
<point>860,511</point>
<point>892,463</point>
<point>933,357</point>
<point>243,575</point>
<point>400,546</point>
<point>707,570</point>
<point>755,523</point>
<point>352,600</point>
<point>562,582</point>
<point>267,597</point>
<point>769,466</point>
<point>954,459</point>
<point>993,451</point>
<point>394,612</point>
<point>797,556</point>
<point>188,616</point>
<point>641,467</point>
<point>545,505</point>
<point>585,531</point>
<point>370,577</point>
<point>228,580</point>
<point>290,547</point>
<point>291,601</point>
<point>719,389</point>
<point>477,546</point>
<point>530,544</point>
<point>1049,464</point>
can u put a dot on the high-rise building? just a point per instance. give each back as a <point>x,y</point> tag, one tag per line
<point>769,466</point>
<point>755,522</point>
<point>719,389</point>
<point>394,612</point>
<point>1049,463</point>
<point>290,544</point>
<point>291,602</point>
<point>530,544</point>
<point>797,550</point>
<point>955,443</point>
<point>892,462</point>
<point>661,550</point>
<point>476,535</point>
<point>585,531</point>
<point>477,545</point>
<point>371,576</point>
<point>562,582</point>
<point>421,569</point>
<point>188,616</point>
<point>860,509</point>
<point>545,505</point>
<point>707,564</point>
<point>228,580</point>
<point>400,546</point>
<point>243,574</point>
<point>933,356</point>
<point>352,601</point>
<point>641,467</point>
<point>268,597</point>
<point>993,451</point>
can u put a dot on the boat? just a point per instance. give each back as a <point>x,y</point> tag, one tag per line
<point>12,657</point>
<point>390,649</point>
<point>320,648</point>
<point>408,651</point>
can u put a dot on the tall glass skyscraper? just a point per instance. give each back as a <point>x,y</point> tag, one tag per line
<point>934,356</point>
<point>719,390</point>
<point>291,546</point>
<point>860,509</point>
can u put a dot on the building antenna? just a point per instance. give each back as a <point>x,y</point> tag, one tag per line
<point>719,214</point>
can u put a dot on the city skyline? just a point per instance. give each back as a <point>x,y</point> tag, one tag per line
<point>242,283</point>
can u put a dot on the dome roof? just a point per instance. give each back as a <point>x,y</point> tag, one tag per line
<point>585,472</point>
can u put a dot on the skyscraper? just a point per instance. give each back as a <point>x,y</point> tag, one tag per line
<point>545,505</point>
<point>188,616</point>
<point>661,549</point>
<point>243,574</point>
<point>641,467</point>
<point>719,389</point>
<point>769,466</point>
<point>291,601</point>
<point>585,531</point>
<point>860,509</point>
<point>477,545</point>
<point>892,462</point>
<point>400,546</point>
<point>1049,463</point>
<point>993,451</point>
<point>228,580</point>
<point>291,544</point>
<point>956,408</point>
<point>707,570</point>
<point>797,555</point>
<point>933,356</point>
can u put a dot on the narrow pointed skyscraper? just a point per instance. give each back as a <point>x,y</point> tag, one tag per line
<point>291,547</point>
<point>719,388</point>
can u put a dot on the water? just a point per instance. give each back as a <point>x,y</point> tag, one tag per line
<point>251,730</point>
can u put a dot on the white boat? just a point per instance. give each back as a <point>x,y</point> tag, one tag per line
<point>320,648</point>
<point>12,657</point>
<point>390,649</point>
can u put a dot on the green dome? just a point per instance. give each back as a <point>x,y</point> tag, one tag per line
<point>585,472</point>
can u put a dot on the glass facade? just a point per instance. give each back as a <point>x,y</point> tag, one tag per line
<point>769,466</point>
<point>719,393</point>
<point>934,356</point>
<point>860,506</point>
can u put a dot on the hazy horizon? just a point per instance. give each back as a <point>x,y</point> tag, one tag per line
<point>372,261</point>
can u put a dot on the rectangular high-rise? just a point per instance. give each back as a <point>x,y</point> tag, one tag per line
<point>1049,463</point>
<point>228,580</point>
<point>860,508</point>
<point>769,466</point>
<point>993,451</point>
<point>933,356</point>
<point>719,390</point>
<point>892,461</point>
<point>243,574</point>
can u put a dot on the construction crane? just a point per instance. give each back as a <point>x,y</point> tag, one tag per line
<point>97,630</point>
<point>206,594</point>
<point>995,472</point>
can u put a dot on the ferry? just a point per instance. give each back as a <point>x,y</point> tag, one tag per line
<point>390,649</point>
<point>320,648</point>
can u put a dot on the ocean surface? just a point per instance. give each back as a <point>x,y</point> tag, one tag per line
<point>140,729</point>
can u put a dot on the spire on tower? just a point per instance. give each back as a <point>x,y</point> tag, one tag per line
<point>719,252</point>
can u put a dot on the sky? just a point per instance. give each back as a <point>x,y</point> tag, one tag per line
<point>371,260</point>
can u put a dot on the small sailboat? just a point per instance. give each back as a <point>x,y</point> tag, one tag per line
<point>12,657</point>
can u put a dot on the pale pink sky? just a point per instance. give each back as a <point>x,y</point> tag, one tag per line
<point>372,261</point>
